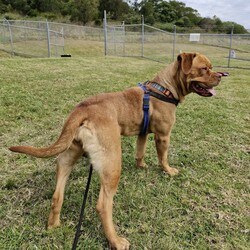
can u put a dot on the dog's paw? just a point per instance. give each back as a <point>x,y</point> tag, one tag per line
<point>141,164</point>
<point>53,224</point>
<point>120,244</point>
<point>171,171</point>
<point>51,227</point>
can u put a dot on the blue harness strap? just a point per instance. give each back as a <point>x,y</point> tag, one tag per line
<point>166,96</point>
<point>146,98</point>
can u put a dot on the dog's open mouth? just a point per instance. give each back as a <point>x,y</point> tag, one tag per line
<point>206,92</point>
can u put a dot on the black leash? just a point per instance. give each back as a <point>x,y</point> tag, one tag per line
<point>78,230</point>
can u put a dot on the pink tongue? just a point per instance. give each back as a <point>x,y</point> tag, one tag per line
<point>223,73</point>
<point>211,91</point>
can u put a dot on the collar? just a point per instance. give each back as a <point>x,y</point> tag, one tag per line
<point>164,95</point>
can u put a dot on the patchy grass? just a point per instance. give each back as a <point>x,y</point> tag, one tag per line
<point>205,207</point>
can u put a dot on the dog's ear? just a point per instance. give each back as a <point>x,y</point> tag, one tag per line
<point>185,61</point>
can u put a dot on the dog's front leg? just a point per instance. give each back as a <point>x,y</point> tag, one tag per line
<point>140,150</point>
<point>162,145</point>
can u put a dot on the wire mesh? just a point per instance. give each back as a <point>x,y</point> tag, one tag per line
<point>146,41</point>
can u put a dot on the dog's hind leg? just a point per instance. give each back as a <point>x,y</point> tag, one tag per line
<point>109,171</point>
<point>109,183</point>
<point>140,150</point>
<point>65,162</point>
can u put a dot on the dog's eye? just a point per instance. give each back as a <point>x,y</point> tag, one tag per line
<point>205,68</point>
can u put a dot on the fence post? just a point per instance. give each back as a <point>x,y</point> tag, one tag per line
<point>105,32</point>
<point>230,47</point>
<point>123,38</point>
<point>142,36</point>
<point>174,41</point>
<point>114,38</point>
<point>11,39</point>
<point>48,37</point>
<point>62,31</point>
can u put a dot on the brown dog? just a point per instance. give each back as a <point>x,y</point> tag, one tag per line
<point>95,127</point>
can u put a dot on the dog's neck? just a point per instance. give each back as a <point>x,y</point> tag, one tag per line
<point>171,79</point>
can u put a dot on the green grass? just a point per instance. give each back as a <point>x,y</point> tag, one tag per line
<point>205,207</point>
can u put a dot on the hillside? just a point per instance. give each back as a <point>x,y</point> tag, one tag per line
<point>156,12</point>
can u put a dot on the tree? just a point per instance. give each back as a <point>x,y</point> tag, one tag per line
<point>20,6</point>
<point>193,15</point>
<point>148,11</point>
<point>206,23</point>
<point>46,5</point>
<point>84,10</point>
<point>165,12</point>
<point>169,12</point>
<point>183,22</point>
<point>135,5</point>
<point>237,28</point>
<point>116,9</point>
<point>218,25</point>
<point>160,12</point>
<point>3,7</point>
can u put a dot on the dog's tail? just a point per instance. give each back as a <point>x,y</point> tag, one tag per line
<point>64,141</point>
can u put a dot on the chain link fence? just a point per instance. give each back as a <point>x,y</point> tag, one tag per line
<point>42,38</point>
<point>30,39</point>
<point>141,40</point>
<point>46,39</point>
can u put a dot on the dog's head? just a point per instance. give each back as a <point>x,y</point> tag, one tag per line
<point>197,71</point>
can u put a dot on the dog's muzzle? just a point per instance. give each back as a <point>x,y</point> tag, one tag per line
<point>207,91</point>
<point>202,91</point>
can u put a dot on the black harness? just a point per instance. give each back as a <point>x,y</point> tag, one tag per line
<point>165,96</point>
